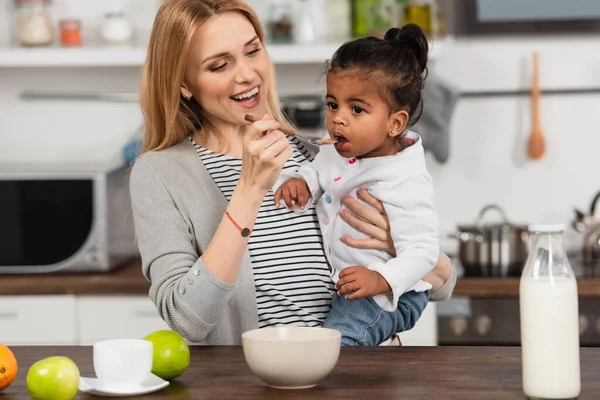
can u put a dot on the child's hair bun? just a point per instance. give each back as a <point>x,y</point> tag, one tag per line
<point>413,37</point>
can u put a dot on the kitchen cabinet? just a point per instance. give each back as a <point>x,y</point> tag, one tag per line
<point>424,332</point>
<point>71,320</point>
<point>116,317</point>
<point>86,319</point>
<point>37,320</point>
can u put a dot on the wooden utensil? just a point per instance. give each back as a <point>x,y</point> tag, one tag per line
<point>537,144</point>
<point>252,118</point>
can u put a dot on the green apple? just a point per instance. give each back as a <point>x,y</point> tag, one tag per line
<point>171,356</point>
<point>53,378</point>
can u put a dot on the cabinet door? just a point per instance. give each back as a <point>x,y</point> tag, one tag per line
<point>116,317</point>
<point>37,320</point>
<point>424,332</point>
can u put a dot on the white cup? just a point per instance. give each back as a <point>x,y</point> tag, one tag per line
<point>122,362</point>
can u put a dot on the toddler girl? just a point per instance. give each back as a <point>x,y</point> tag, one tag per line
<point>373,94</point>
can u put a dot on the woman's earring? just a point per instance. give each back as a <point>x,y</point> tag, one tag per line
<point>188,96</point>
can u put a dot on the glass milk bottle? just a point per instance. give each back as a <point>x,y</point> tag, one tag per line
<point>549,318</point>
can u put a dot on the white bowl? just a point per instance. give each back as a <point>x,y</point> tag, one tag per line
<point>291,357</point>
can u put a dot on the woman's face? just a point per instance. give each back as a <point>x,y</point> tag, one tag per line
<point>228,70</point>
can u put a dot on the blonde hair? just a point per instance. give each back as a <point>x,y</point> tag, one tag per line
<point>169,117</point>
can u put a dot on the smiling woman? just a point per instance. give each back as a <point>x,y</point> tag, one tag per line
<point>229,76</point>
<point>221,258</point>
<point>215,56</point>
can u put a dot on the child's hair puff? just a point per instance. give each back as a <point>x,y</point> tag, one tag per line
<point>396,65</point>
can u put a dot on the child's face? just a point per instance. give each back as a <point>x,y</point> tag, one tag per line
<point>360,119</point>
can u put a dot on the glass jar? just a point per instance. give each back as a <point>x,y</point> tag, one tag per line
<point>70,32</point>
<point>116,28</point>
<point>33,22</point>
<point>382,16</point>
<point>281,22</point>
<point>420,13</point>
<point>360,17</point>
<point>549,318</point>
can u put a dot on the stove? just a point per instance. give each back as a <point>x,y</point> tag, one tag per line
<point>494,321</point>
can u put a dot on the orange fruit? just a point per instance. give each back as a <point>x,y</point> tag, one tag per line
<point>8,367</point>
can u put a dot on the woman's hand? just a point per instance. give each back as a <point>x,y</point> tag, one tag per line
<point>264,155</point>
<point>372,221</point>
<point>440,274</point>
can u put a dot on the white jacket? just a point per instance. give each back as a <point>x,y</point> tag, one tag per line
<point>404,186</point>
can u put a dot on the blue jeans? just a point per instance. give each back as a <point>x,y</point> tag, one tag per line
<point>362,322</point>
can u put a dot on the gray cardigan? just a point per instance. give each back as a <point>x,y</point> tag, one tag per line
<point>177,207</point>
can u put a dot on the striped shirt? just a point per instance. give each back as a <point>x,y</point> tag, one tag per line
<point>291,274</point>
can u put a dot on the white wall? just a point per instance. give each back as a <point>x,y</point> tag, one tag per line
<point>67,130</point>
<point>488,136</point>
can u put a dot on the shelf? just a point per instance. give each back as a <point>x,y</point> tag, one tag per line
<point>16,57</point>
<point>72,57</point>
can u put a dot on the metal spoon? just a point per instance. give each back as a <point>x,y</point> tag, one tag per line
<point>318,142</point>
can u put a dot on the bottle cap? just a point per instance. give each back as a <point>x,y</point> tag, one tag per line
<point>546,228</point>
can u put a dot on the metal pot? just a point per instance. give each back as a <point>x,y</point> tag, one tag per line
<point>589,225</point>
<point>306,112</point>
<point>492,249</point>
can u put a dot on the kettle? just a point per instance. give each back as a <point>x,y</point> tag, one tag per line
<point>589,225</point>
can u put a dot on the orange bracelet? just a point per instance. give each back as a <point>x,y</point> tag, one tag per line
<point>244,231</point>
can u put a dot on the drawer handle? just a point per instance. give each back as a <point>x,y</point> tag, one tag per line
<point>8,315</point>
<point>146,314</point>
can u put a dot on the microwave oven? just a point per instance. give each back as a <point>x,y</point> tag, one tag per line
<point>65,218</point>
<point>521,17</point>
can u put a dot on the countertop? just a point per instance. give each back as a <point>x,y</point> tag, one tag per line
<point>369,372</point>
<point>588,283</point>
<point>509,287</point>
<point>128,280</point>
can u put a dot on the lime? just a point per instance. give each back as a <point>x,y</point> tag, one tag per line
<point>171,354</point>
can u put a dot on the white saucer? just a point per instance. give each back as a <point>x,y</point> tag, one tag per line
<point>152,383</point>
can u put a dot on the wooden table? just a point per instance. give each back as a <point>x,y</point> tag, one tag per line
<point>370,373</point>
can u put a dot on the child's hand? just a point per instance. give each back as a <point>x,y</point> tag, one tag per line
<point>363,281</point>
<point>293,189</point>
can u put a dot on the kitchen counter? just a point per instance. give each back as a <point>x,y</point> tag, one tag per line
<point>127,279</point>
<point>588,282</point>
<point>588,287</point>
<point>370,372</point>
